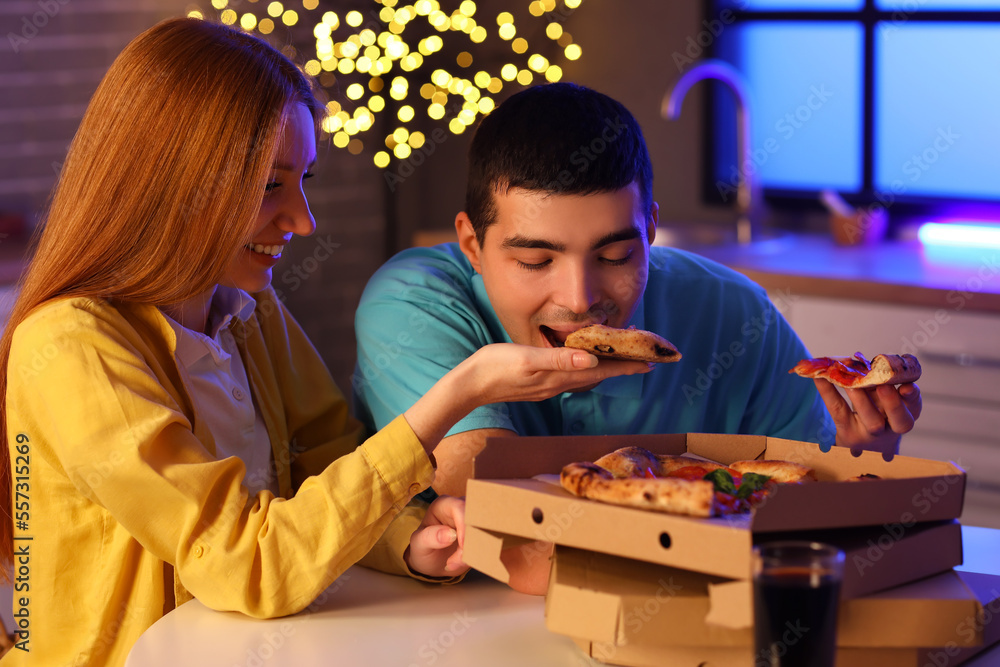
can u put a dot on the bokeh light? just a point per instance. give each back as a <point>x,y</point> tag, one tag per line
<point>419,60</point>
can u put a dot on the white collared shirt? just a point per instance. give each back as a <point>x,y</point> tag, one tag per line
<point>220,386</point>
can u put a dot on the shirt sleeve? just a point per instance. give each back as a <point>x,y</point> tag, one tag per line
<point>102,416</point>
<point>416,321</point>
<point>322,428</point>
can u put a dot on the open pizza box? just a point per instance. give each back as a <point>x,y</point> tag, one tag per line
<point>898,528</point>
<point>625,612</point>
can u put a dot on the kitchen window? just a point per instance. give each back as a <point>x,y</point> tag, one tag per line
<point>888,101</point>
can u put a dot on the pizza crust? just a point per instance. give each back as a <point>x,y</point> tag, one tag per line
<point>632,344</point>
<point>891,369</point>
<point>674,496</point>
<point>629,462</point>
<point>640,462</point>
<point>782,472</point>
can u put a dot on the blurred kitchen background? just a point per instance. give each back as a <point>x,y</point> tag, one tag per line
<point>864,120</point>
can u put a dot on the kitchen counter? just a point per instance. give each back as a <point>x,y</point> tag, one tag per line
<point>896,272</point>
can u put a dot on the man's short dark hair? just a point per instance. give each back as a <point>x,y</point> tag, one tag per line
<point>560,138</point>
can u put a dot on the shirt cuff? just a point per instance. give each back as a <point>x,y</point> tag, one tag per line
<point>399,457</point>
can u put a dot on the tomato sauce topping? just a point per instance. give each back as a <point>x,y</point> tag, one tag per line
<point>689,472</point>
<point>847,372</point>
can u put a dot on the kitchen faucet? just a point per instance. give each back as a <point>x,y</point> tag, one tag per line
<point>748,222</point>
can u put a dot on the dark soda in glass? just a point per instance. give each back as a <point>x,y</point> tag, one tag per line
<point>795,616</point>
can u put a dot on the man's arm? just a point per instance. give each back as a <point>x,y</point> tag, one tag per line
<point>454,456</point>
<point>416,321</point>
<point>528,564</point>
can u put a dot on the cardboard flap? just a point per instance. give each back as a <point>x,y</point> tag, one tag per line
<point>569,593</point>
<point>599,624</point>
<point>726,448</point>
<point>840,463</point>
<point>518,457</point>
<point>731,605</point>
<point>482,552</point>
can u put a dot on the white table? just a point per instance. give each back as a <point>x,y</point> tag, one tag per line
<point>368,618</point>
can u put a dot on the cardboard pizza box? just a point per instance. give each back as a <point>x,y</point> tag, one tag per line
<point>616,602</point>
<point>625,612</point>
<point>911,489</point>
<point>887,542</point>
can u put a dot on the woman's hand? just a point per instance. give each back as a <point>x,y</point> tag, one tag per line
<point>436,546</point>
<point>506,372</point>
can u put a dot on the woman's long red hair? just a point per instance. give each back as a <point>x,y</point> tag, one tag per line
<point>162,183</point>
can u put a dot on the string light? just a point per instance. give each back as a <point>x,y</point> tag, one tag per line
<point>372,61</point>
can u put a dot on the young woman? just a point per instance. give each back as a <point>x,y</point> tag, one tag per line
<point>170,435</point>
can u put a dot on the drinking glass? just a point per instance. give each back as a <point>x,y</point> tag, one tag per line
<point>796,591</point>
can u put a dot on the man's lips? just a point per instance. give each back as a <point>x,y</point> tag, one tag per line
<point>557,337</point>
<point>554,338</point>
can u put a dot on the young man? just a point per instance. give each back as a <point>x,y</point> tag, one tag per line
<point>556,235</point>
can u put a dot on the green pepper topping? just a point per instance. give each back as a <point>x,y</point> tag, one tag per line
<point>724,483</point>
<point>750,483</point>
<point>722,480</point>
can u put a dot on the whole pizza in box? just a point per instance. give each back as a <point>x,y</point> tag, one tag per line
<point>677,484</point>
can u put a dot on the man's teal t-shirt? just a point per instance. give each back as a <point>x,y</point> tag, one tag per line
<point>426,310</point>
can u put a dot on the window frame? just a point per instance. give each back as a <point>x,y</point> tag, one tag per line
<point>903,208</point>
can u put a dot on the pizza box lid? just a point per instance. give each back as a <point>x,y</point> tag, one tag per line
<point>910,489</point>
<point>617,602</point>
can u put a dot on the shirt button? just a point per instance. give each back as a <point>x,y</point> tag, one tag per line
<point>238,393</point>
<point>414,489</point>
<point>199,551</point>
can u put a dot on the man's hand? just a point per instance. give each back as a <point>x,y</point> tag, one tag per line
<point>436,546</point>
<point>878,418</point>
<point>529,566</point>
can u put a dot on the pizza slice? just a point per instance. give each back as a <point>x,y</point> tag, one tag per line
<point>633,344</point>
<point>671,495</point>
<point>858,373</point>
<point>636,477</point>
